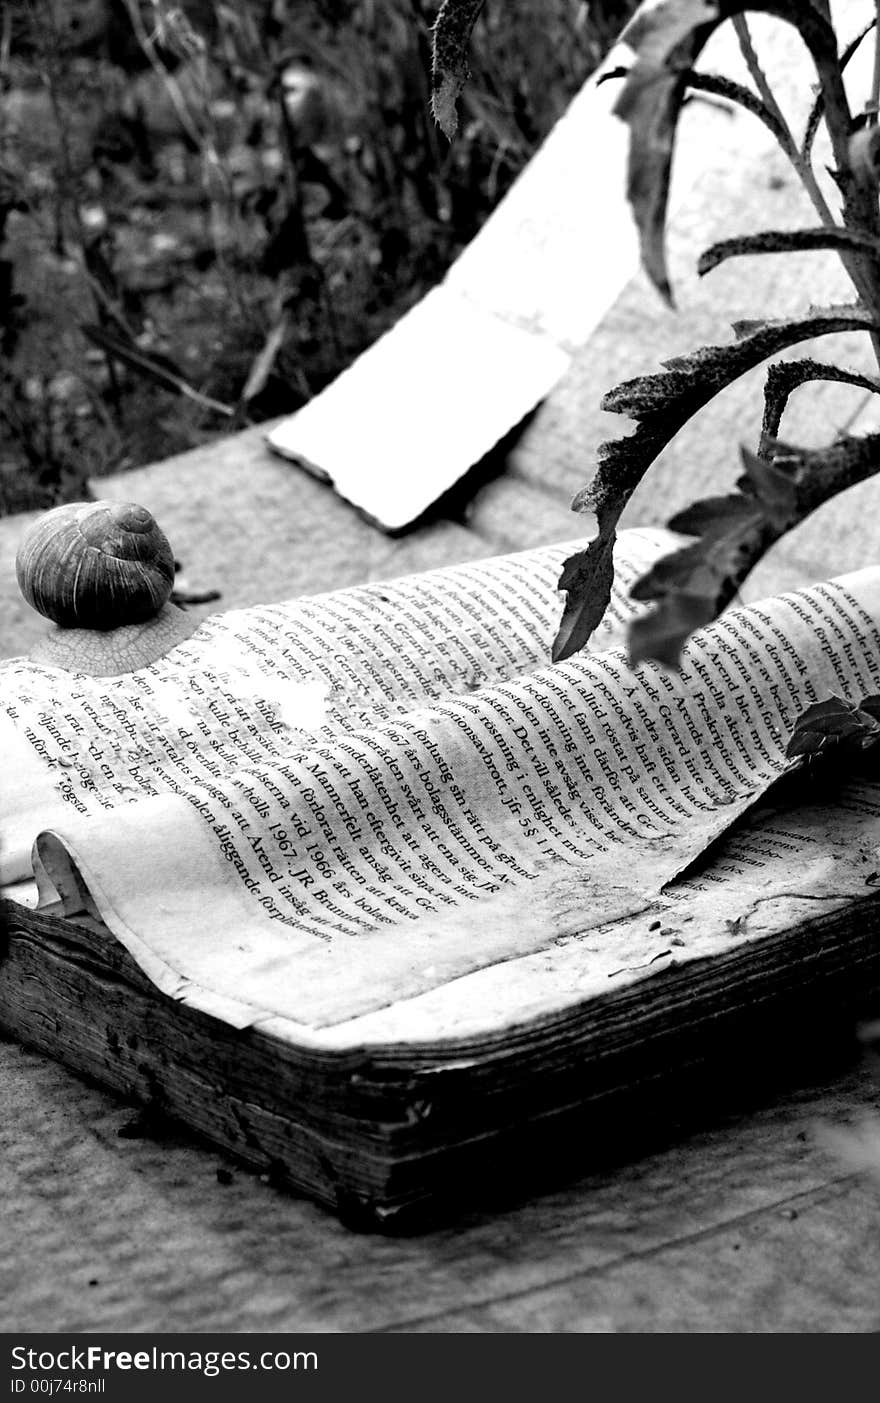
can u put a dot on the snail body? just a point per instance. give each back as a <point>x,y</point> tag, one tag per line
<point>103,572</point>
<point>96,565</point>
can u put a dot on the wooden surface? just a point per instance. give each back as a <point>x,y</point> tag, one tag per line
<point>737,1219</point>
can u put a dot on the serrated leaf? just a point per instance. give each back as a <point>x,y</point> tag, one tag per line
<point>687,382</point>
<point>737,531</point>
<point>693,584</point>
<point>673,573</point>
<point>587,576</point>
<point>774,488</point>
<point>820,473</point>
<point>784,241</point>
<point>712,516</point>
<point>661,404</point>
<point>661,635</point>
<point>452,34</point>
<point>667,39</point>
<point>835,722</point>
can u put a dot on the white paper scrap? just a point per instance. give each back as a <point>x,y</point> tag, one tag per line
<point>403,423</point>
<point>479,352</point>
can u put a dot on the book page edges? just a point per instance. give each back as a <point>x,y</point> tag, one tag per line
<point>153,867</point>
<point>827,870</point>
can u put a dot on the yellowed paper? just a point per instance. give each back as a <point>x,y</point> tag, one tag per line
<point>253,685</point>
<point>403,835</point>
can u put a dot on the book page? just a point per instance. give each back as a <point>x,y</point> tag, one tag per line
<point>783,865</point>
<point>464,833</point>
<point>252,684</point>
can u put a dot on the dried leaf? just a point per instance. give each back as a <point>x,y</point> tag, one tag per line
<point>834,722</point>
<point>820,473</point>
<point>699,580</point>
<point>773,487</point>
<point>701,569</point>
<point>712,515</point>
<point>784,241</point>
<point>695,583</point>
<point>452,32</point>
<point>661,634</point>
<point>587,576</point>
<point>661,404</point>
<point>688,382</point>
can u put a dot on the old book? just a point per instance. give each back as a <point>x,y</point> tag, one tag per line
<point>366,891</point>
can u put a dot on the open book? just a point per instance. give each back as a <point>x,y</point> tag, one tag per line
<point>361,884</point>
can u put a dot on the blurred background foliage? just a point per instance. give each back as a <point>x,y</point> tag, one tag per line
<point>207,210</point>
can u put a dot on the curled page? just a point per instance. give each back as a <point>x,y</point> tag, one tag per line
<point>251,685</point>
<point>412,837</point>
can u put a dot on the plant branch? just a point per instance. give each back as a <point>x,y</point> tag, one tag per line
<point>859,191</point>
<point>818,109</point>
<point>873,102</point>
<point>722,87</point>
<point>804,170</point>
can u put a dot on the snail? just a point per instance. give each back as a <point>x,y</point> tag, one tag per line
<point>103,572</point>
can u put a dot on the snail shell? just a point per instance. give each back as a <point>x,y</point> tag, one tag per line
<point>96,565</point>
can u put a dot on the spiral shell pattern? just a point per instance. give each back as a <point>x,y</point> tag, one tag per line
<point>96,565</point>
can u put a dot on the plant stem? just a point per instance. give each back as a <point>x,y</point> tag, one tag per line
<point>790,147</point>
<point>860,207</point>
<point>873,103</point>
<point>860,210</point>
